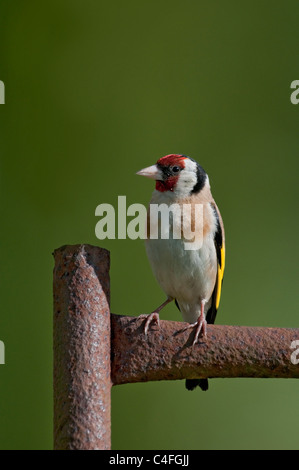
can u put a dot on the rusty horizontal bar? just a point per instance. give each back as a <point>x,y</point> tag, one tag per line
<point>228,351</point>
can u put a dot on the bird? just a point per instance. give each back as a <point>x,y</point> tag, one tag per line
<point>191,277</point>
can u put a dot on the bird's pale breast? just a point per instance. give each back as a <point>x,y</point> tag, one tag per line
<point>186,275</point>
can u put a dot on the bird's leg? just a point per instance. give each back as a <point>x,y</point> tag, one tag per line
<point>154,316</point>
<point>200,324</point>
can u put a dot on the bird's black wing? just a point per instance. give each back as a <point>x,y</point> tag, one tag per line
<point>219,241</point>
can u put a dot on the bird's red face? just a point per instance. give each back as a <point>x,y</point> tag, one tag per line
<point>176,174</point>
<point>171,167</point>
<point>166,172</point>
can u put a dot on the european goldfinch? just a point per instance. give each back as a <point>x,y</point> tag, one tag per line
<point>190,277</point>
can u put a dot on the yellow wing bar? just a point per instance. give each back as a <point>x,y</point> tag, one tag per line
<point>220,276</point>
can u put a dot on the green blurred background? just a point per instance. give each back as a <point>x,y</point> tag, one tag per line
<point>94,92</point>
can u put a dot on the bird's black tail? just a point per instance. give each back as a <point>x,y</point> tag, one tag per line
<point>191,384</point>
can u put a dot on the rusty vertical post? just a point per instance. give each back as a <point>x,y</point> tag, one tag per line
<point>82,384</point>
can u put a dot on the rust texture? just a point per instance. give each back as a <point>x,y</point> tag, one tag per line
<point>228,351</point>
<point>94,350</point>
<point>82,380</point>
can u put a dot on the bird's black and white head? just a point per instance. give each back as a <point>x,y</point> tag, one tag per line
<point>177,174</point>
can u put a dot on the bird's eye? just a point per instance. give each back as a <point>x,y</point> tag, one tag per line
<point>175,169</point>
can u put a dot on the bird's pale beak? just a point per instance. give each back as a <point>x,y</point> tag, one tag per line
<point>152,172</point>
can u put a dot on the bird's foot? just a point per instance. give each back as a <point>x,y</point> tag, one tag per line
<point>201,328</point>
<point>152,317</point>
